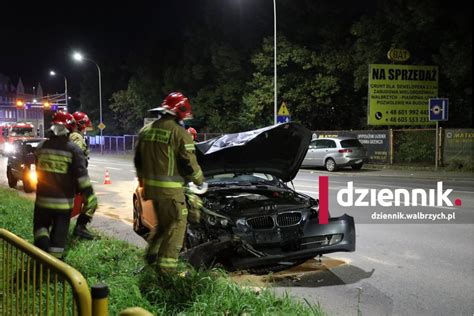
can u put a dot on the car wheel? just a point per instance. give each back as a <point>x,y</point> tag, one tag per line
<point>330,165</point>
<point>357,167</point>
<point>137,221</point>
<point>12,181</point>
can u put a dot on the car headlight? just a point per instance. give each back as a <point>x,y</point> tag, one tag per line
<point>9,148</point>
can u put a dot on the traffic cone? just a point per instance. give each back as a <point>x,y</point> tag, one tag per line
<point>107,177</point>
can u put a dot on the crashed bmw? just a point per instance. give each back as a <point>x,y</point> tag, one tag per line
<point>251,218</point>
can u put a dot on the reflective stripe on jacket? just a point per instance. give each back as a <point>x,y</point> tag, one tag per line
<point>79,140</point>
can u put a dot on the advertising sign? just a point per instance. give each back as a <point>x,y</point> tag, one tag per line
<point>398,94</point>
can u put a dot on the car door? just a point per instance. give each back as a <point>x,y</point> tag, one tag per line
<point>15,160</point>
<point>331,150</point>
<point>320,152</point>
<point>309,158</point>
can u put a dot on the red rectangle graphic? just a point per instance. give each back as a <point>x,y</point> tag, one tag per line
<point>323,200</point>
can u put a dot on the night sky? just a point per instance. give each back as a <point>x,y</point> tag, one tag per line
<point>37,37</point>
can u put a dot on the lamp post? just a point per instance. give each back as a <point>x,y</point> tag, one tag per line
<point>53,73</point>
<point>274,62</point>
<point>79,58</point>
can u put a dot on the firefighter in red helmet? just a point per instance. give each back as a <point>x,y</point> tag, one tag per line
<point>61,168</point>
<point>81,122</point>
<point>165,160</point>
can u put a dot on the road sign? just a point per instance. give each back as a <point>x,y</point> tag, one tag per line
<point>438,109</point>
<point>283,111</point>
<point>101,126</point>
<point>283,119</point>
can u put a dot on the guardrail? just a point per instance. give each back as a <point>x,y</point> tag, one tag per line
<point>35,283</point>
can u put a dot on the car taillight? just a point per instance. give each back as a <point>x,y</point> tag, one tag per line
<point>342,151</point>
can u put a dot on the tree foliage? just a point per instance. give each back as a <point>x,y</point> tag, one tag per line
<point>223,61</point>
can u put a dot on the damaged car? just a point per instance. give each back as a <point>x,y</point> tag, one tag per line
<point>252,219</point>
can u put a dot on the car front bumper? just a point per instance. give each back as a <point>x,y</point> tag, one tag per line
<point>316,241</point>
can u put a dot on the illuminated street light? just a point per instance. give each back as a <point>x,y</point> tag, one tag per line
<point>79,58</point>
<point>53,73</point>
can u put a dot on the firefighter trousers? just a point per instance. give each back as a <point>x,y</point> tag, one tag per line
<point>50,228</point>
<point>167,238</point>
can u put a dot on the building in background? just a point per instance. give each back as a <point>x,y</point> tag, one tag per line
<point>30,110</point>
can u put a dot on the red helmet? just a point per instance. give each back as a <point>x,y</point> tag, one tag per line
<point>82,120</point>
<point>193,133</point>
<point>177,104</point>
<point>62,119</point>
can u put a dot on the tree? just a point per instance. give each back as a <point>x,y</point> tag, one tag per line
<point>312,84</point>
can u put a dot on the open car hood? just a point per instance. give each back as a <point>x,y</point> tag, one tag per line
<point>277,150</point>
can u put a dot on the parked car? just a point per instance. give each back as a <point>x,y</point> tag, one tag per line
<point>21,164</point>
<point>251,218</point>
<point>334,153</point>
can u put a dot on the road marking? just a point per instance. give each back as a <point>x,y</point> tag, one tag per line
<point>113,168</point>
<point>112,163</point>
<point>91,165</point>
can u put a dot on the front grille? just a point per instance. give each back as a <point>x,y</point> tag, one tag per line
<point>288,219</point>
<point>261,222</point>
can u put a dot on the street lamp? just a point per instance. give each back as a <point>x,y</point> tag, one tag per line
<point>79,58</point>
<point>53,73</point>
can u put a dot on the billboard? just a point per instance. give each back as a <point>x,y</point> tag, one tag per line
<point>399,94</point>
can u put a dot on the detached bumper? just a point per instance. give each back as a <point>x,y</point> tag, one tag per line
<point>316,241</point>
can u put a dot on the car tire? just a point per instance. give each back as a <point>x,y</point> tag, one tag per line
<point>357,166</point>
<point>12,181</point>
<point>138,226</point>
<point>330,165</point>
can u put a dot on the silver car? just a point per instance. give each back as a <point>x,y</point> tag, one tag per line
<point>333,153</point>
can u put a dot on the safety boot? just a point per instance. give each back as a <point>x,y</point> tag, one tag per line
<point>81,231</point>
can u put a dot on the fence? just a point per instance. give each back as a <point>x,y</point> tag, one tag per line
<point>34,282</point>
<point>399,146</point>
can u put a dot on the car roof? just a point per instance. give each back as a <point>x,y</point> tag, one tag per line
<point>337,138</point>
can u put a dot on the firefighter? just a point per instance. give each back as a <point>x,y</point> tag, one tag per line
<point>78,128</point>
<point>61,168</point>
<point>165,160</point>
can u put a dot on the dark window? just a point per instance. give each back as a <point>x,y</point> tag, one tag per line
<point>321,143</point>
<point>330,144</point>
<point>350,143</point>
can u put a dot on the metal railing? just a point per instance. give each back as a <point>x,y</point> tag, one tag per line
<point>33,282</point>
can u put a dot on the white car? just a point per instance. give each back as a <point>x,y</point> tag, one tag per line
<point>333,153</point>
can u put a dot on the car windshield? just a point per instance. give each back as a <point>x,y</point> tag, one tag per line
<point>350,143</point>
<point>21,131</point>
<point>242,179</point>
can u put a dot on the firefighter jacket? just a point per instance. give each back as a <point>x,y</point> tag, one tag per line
<point>165,159</point>
<point>78,139</point>
<point>61,169</point>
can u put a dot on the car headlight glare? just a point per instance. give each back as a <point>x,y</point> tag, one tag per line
<point>9,148</point>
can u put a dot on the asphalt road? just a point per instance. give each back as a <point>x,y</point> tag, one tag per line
<point>400,267</point>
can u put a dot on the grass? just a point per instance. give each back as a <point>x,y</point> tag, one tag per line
<point>121,267</point>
